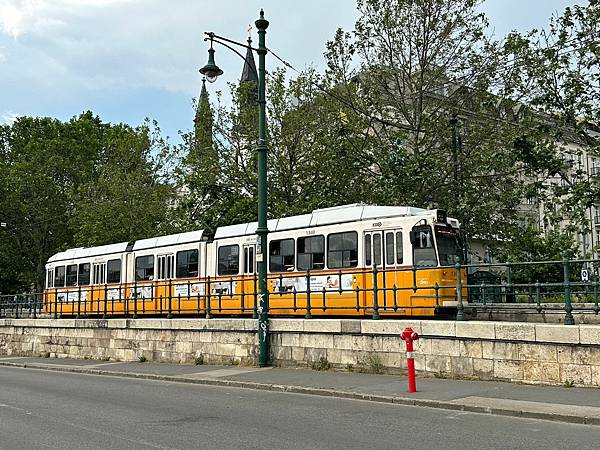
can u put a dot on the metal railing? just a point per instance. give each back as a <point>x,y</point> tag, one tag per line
<point>389,292</point>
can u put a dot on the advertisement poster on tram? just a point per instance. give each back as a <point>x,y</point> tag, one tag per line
<point>188,289</point>
<point>317,283</point>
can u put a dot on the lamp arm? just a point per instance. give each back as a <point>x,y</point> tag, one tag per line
<point>212,37</point>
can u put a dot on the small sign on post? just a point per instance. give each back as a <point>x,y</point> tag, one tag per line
<point>585,275</point>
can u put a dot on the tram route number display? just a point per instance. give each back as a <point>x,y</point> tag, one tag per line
<point>317,283</point>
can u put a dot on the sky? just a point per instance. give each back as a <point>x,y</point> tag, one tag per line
<point>129,59</point>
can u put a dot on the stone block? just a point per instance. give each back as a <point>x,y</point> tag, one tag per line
<point>351,326</point>
<point>541,372</point>
<point>422,346</point>
<point>475,330</point>
<point>322,325</point>
<point>438,364</point>
<point>395,327</point>
<point>314,354</point>
<point>290,339</point>
<point>342,357</point>
<point>566,334</point>
<point>576,373</point>
<point>393,344</point>
<point>316,340</point>
<point>589,334</point>
<point>355,342</point>
<point>538,352</point>
<point>470,349</point>
<point>438,328</point>
<point>596,376</point>
<point>462,366</point>
<point>446,347</point>
<point>420,362</point>
<point>515,331</point>
<point>287,325</point>
<point>483,368</point>
<point>281,353</point>
<point>500,350</point>
<point>510,370</point>
<point>297,354</point>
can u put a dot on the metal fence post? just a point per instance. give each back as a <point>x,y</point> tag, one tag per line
<point>569,320</point>
<point>460,310</point>
<point>308,308</point>
<point>375,294</point>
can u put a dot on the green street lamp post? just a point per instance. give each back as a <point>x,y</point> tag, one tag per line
<point>212,71</point>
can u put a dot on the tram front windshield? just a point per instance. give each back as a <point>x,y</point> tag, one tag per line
<point>448,244</point>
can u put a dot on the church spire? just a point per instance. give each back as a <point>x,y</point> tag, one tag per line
<point>203,102</point>
<point>249,72</point>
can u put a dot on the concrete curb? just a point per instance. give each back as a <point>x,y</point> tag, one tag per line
<point>438,404</point>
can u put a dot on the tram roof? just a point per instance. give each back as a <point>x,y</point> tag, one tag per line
<point>172,239</point>
<point>327,216</point>
<point>87,252</point>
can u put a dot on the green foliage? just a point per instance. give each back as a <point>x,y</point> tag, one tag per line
<point>321,364</point>
<point>75,183</point>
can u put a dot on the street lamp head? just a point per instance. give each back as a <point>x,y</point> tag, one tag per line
<point>211,71</point>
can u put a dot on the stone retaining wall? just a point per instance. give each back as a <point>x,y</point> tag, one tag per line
<point>522,352</point>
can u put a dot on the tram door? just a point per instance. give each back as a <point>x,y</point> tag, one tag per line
<point>249,270</point>
<point>383,252</point>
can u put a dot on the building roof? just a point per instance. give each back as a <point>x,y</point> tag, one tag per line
<point>327,216</point>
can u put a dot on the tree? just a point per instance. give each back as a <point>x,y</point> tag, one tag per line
<point>66,184</point>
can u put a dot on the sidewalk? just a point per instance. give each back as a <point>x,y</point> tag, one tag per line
<point>574,405</point>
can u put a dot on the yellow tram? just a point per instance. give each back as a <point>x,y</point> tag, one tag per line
<point>351,260</point>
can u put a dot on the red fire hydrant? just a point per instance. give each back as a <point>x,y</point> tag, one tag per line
<point>409,336</point>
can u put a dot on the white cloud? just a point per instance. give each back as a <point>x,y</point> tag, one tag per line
<point>9,117</point>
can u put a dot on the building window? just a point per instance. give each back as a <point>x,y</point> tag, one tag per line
<point>59,276</point>
<point>311,253</point>
<point>281,255</point>
<point>342,250</point>
<point>144,268</point>
<point>71,277</point>
<point>113,271</point>
<point>84,274</point>
<point>229,260</point>
<point>187,264</point>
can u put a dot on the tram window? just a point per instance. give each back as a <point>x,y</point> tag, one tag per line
<point>368,260</point>
<point>342,250</point>
<point>49,278</point>
<point>144,268</point>
<point>311,253</point>
<point>229,260</point>
<point>84,274</point>
<point>71,277</point>
<point>377,248</point>
<point>281,255</point>
<point>187,264</point>
<point>99,272</point>
<point>249,259</point>
<point>165,266</point>
<point>399,256</point>
<point>390,251</point>
<point>113,269</point>
<point>59,276</point>
<point>423,248</point>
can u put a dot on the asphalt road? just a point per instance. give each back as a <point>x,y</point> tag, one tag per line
<point>40,409</point>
